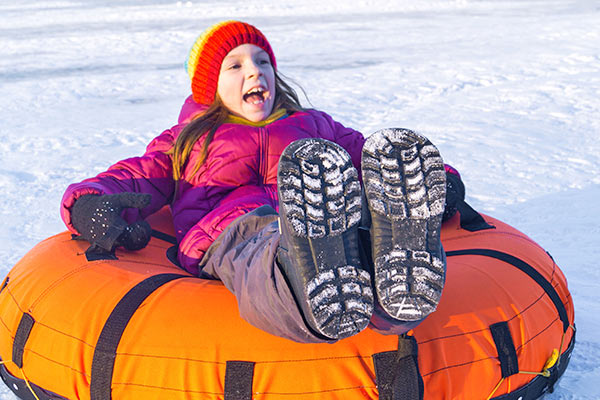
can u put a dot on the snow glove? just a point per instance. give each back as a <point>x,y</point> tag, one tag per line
<point>470,219</point>
<point>98,220</point>
<point>455,193</point>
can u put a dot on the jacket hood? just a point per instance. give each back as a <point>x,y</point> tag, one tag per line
<point>189,110</point>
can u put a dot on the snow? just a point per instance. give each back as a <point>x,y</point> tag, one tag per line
<point>508,90</point>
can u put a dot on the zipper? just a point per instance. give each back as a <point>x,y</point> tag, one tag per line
<point>262,156</point>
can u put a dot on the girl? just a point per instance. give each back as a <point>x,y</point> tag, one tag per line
<point>266,196</point>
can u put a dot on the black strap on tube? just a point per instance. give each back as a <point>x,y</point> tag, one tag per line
<point>105,353</point>
<point>23,331</point>
<point>397,372</point>
<point>507,354</point>
<point>238,380</point>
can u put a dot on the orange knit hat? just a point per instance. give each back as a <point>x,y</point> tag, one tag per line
<point>209,50</point>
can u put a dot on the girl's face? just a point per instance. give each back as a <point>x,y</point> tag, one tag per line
<point>247,83</point>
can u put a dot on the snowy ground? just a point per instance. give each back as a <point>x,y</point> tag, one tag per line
<point>508,90</point>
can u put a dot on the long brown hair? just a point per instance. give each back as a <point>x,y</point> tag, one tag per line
<point>209,121</point>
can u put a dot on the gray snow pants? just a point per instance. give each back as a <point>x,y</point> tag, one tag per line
<point>244,258</point>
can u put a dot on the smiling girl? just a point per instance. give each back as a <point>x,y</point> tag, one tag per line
<point>247,83</point>
<point>266,196</point>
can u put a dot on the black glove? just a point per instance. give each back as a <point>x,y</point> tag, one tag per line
<point>98,220</point>
<point>455,192</point>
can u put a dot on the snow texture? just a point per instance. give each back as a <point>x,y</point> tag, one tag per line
<point>509,91</point>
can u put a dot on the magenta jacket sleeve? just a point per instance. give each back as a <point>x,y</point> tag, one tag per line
<point>151,173</point>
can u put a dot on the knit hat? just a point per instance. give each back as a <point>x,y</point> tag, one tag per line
<point>209,50</point>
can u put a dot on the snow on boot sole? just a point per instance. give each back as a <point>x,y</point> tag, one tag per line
<point>320,209</point>
<point>405,187</point>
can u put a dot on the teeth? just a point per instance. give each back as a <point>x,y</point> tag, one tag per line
<point>255,90</point>
<point>258,90</point>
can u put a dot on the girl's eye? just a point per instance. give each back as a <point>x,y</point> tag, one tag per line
<point>264,62</point>
<point>234,66</point>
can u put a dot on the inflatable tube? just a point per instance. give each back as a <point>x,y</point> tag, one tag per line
<point>140,327</point>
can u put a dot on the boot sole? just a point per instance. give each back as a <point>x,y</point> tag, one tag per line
<point>320,203</point>
<point>405,187</point>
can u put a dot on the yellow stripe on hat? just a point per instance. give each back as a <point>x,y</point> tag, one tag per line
<point>194,56</point>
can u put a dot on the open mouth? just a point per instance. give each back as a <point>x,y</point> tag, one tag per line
<point>256,95</point>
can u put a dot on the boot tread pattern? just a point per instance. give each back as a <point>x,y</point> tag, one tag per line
<point>320,192</point>
<point>341,300</point>
<point>320,200</point>
<point>405,184</point>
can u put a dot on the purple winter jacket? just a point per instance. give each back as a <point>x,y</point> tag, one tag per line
<point>239,175</point>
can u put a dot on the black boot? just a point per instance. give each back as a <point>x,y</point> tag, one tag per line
<point>320,210</point>
<point>405,187</point>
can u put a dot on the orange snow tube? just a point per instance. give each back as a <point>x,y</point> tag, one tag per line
<point>139,327</point>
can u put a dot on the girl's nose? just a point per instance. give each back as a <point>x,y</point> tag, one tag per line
<point>252,70</point>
